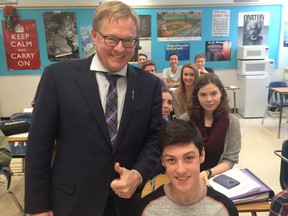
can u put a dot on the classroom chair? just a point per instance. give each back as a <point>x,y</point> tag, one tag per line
<point>283,154</point>
<point>274,101</point>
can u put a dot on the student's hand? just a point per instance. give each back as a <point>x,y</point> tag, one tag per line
<point>49,213</point>
<point>204,178</point>
<point>127,183</point>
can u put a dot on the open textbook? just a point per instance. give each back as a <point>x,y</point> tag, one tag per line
<point>251,188</point>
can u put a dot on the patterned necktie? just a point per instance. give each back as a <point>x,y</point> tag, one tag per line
<point>111,107</point>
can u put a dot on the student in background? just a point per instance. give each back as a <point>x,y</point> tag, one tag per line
<point>171,75</point>
<point>5,159</point>
<point>150,67</point>
<point>166,103</point>
<point>279,204</point>
<point>200,61</point>
<point>220,130</point>
<point>181,96</point>
<point>182,153</point>
<point>141,58</point>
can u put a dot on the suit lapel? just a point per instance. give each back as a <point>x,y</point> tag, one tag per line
<point>88,86</point>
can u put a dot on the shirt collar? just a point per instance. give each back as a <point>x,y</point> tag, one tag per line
<point>96,65</point>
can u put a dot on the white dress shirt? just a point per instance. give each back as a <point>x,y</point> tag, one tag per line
<point>103,85</point>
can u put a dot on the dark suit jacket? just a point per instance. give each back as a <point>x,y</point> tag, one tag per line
<point>210,70</point>
<point>68,109</point>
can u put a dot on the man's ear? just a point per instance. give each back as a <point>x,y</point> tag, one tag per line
<point>202,156</point>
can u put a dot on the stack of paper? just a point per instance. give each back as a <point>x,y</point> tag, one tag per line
<point>250,189</point>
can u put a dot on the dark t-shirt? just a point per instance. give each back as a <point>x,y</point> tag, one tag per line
<point>210,70</point>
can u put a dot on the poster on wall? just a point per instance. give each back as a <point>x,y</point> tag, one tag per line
<point>88,47</point>
<point>8,1</point>
<point>179,25</point>
<point>61,36</point>
<point>285,44</point>
<point>144,43</point>
<point>181,49</point>
<point>220,23</point>
<point>253,28</point>
<point>218,50</point>
<point>21,46</point>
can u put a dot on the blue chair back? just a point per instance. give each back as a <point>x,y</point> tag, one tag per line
<point>275,84</point>
<point>284,166</point>
<point>23,115</point>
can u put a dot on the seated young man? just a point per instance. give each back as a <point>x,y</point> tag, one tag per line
<point>150,67</point>
<point>166,104</point>
<point>182,153</point>
<point>200,61</point>
<point>141,58</point>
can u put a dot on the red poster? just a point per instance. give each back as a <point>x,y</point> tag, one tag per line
<point>21,46</point>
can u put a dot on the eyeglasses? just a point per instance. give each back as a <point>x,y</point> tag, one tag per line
<point>113,41</point>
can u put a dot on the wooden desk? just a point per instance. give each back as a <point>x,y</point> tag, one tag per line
<point>282,91</point>
<point>233,88</point>
<point>18,137</point>
<point>254,207</point>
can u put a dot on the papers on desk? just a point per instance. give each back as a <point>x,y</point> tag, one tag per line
<point>250,189</point>
<point>19,135</point>
<point>28,110</point>
<point>231,87</point>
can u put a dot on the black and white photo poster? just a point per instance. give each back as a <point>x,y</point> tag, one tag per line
<point>253,28</point>
<point>61,36</point>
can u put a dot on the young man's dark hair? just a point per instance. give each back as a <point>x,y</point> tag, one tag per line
<point>148,63</point>
<point>179,132</point>
<point>172,54</point>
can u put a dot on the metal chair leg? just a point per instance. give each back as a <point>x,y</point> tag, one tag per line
<point>21,209</point>
<point>265,115</point>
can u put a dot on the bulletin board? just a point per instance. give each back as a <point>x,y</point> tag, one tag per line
<point>84,18</point>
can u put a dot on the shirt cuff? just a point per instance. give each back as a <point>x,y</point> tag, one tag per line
<point>138,174</point>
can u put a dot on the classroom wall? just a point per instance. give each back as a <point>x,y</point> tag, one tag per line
<point>158,49</point>
<point>135,3</point>
<point>17,89</point>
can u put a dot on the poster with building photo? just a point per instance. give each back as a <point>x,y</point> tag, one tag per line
<point>218,50</point>
<point>179,25</point>
<point>253,28</point>
<point>144,43</point>
<point>61,35</point>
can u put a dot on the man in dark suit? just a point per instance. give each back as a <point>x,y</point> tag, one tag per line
<point>92,175</point>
